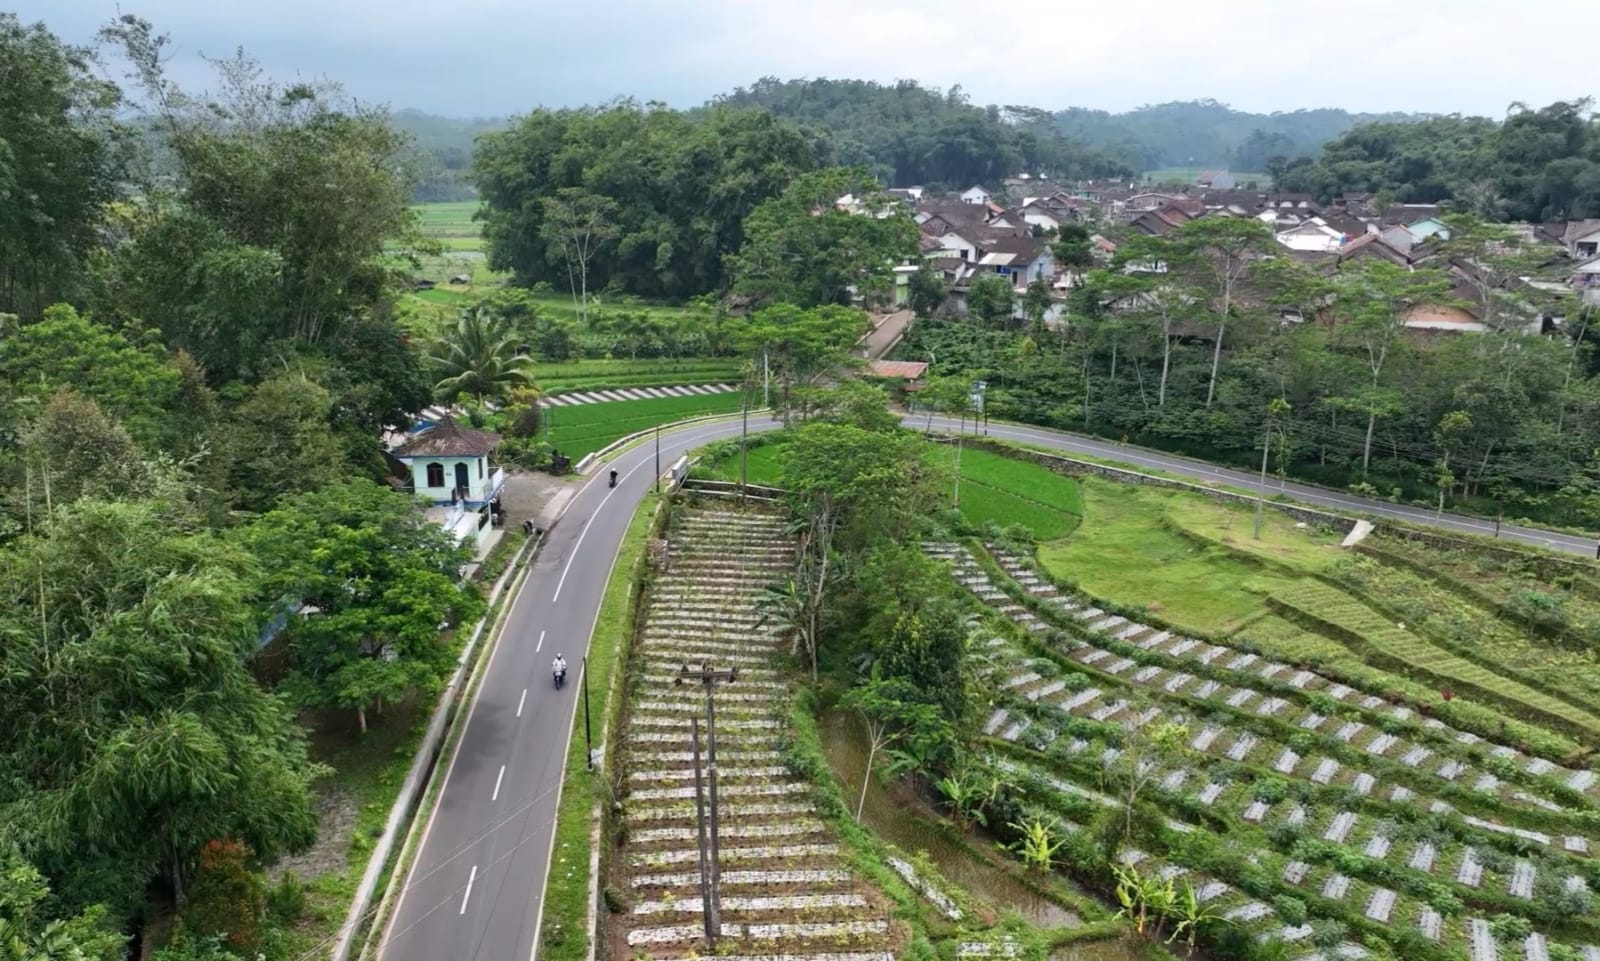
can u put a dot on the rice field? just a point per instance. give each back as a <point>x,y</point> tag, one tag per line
<point>583,429</point>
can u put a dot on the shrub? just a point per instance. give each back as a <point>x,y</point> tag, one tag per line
<point>286,900</point>
<point>1291,910</point>
<point>225,898</point>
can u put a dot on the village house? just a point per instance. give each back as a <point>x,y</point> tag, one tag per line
<point>976,195</point>
<point>1582,239</point>
<point>450,466</point>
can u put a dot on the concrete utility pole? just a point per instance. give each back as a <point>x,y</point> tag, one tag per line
<point>1261,492</point>
<point>658,458</point>
<point>710,874</point>
<point>707,911</point>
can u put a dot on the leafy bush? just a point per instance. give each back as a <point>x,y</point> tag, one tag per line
<point>225,898</point>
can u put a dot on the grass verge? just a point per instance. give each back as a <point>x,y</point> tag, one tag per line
<point>566,894</point>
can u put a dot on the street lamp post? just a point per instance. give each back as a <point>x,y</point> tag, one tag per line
<point>658,458</point>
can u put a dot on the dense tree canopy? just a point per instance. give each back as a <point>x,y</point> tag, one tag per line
<point>134,729</point>
<point>802,248</point>
<point>378,580</point>
<point>272,238</point>
<point>1539,164</point>
<point>59,164</point>
<point>907,134</point>
<point>680,187</point>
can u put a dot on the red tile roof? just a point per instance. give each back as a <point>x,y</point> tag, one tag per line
<point>897,369</point>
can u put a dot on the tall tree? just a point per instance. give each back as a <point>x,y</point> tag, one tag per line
<point>285,200</point>
<point>801,346</point>
<point>991,300</point>
<point>134,729</point>
<point>577,224</point>
<point>122,371</point>
<point>60,163</point>
<point>378,579</point>
<point>1223,251</point>
<point>803,248</point>
<point>480,358</point>
<point>1370,303</point>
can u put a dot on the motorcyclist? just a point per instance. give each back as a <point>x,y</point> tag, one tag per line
<point>559,669</point>
<point>613,478</point>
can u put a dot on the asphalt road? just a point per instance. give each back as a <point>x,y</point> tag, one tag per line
<point>475,888</point>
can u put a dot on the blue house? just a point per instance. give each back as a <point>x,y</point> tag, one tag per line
<point>450,466</point>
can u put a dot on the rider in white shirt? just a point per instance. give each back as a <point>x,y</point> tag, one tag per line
<point>560,665</point>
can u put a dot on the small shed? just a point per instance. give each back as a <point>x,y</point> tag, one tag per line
<point>905,375</point>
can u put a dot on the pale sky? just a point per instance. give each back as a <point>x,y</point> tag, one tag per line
<point>493,57</point>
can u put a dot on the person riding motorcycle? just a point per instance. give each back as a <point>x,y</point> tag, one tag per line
<point>559,670</point>
<point>613,478</point>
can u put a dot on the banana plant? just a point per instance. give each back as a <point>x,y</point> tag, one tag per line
<point>1038,845</point>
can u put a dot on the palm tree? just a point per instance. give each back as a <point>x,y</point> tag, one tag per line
<point>479,357</point>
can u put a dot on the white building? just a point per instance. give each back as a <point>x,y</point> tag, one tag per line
<point>450,466</point>
<point>975,195</point>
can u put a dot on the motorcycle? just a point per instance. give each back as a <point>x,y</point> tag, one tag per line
<point>613,478</point>
<point>560,676</point>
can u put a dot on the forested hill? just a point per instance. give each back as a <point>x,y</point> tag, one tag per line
<point>1205,133</point>
<point>1536,164</point>
<point>442,151</point>
<point>910,134</point>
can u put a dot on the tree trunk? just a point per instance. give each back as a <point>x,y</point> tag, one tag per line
<point>361,718</point>
<point>1166,362</point>
<point>866,775</point>
<point>1216,361</point>
<point>1366,447</point>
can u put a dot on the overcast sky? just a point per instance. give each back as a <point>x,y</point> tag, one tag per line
<point>492,57</point>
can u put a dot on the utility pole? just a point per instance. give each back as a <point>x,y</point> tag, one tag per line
<point>707,912</point>
<point>588,740</point>
<point>711,880</point>
<point>955,496</point>
<point>744,442</point>
<point>658,458</point>
<point>766,381</point>
<point>1261,493</point>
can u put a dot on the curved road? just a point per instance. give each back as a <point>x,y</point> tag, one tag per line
<point>476,886</point>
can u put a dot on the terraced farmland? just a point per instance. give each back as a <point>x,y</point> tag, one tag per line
<point>785,889</point>
<point>1374,820</point>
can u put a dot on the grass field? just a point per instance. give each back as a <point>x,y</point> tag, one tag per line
<point>1132,548</point>
<point>1005,491</point>
<point>583,429</point>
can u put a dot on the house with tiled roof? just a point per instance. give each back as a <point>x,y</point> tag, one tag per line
<point>1022,260</point>
<point>450,465</point>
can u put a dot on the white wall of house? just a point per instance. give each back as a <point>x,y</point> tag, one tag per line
<point>974,195</point>
<point>1315,237</point>
<point>480,477</point>
<point>1039,218</point>
<point>954,245</point>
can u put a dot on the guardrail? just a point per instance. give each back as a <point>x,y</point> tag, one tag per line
<point>588,460</point>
